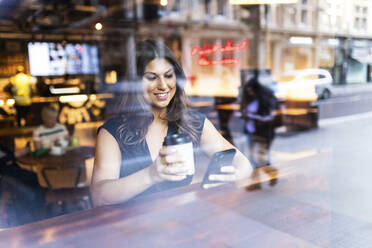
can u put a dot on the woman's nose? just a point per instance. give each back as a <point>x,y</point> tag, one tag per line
<point>162,83</point>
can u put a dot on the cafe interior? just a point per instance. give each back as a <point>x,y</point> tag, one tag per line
<point>76,56</point>
<point>73,59</point>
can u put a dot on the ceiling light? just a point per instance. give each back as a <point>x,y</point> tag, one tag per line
<point>67,90</point>
<point>10,102</point>
<point>73,98</point>
<point>98,26</point>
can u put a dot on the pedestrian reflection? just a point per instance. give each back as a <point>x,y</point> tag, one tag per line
<point>258,110</point>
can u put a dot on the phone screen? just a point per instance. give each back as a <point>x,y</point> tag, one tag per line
<point>218,160</point>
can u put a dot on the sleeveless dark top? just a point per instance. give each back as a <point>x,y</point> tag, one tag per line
<point>137,157</point>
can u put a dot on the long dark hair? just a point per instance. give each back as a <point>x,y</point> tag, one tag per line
<point>264,95</point>
<point>135,113</point>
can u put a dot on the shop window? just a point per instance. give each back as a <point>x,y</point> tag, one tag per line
<point>268,13</point>
<point>364,24</point>
<point>176,6</point>
<point>235,11</point>
<point>221,7</point>
<point>365,11</point>
<point>357,9</point>
<point>292,15</point>
<point>304,17</point>
<point>278,16</point>
<point>356,23</point>
<point>207,7</point>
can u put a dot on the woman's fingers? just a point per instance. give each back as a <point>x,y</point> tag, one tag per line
<point>173,177</point>
<point>229,176</point>
<point>171,165</point>
<point>177,169</point>
<point>164,151</point>
<point>219,179</point>
<point>228,169</point>
<point>173,159</point>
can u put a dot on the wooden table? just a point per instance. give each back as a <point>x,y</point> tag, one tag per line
<point>300,117</point>
<point>74,156</point>
<point>229,106</point>
<point>183,217</point>
<point>204,104</point>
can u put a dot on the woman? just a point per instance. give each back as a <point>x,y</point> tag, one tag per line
<point>130,159</point>
<point>258,110</point>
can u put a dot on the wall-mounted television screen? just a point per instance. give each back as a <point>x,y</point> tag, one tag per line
<point>53,59</point>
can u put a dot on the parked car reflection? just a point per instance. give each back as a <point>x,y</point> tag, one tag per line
<point>309,83</point>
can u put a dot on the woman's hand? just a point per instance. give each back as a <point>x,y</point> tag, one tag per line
<point>169,166</point>
<point>237,174</point>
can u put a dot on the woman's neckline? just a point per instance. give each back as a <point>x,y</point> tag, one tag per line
<point>147,145</point>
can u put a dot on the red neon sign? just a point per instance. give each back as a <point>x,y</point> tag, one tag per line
<point>217,48</point>
<point>204,61</point>
<point>229,47</point>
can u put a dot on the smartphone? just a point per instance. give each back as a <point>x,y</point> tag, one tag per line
<point>218,160</point>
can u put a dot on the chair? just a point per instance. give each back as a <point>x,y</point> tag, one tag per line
<point>64,195</point>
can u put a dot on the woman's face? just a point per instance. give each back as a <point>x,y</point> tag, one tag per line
<point>160,83</point>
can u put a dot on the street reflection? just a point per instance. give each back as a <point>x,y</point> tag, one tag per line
<point>286,83</point>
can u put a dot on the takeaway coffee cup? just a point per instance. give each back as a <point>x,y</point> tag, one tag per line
<point>183,144</point>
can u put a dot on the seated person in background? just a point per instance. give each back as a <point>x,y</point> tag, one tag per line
<point>50,132</point>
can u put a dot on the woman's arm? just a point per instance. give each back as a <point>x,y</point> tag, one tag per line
<point>212,141</point>
<point>106,187</point>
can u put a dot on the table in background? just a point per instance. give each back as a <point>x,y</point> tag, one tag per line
<point>75,156</point>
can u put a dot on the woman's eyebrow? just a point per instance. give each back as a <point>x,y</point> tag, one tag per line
<point>169,70</point>
<point>149,72</point>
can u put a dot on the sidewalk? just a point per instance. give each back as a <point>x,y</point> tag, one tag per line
<point>323,195</point>
<point>348,89</point>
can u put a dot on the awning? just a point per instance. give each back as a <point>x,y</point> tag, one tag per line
<point>364,59</point>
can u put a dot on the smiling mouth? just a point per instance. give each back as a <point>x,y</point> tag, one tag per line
<point>162,96</point>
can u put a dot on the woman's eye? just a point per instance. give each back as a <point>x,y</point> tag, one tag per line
<point>168,75</point>
<point>151,78</point>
